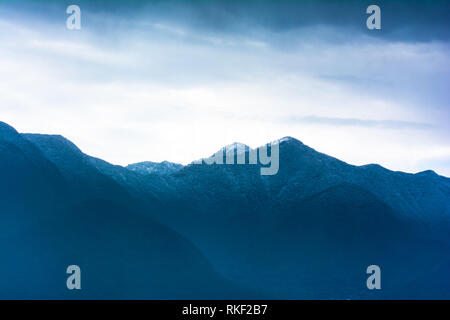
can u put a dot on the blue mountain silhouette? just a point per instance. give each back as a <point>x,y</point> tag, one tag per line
<point>216,231</point>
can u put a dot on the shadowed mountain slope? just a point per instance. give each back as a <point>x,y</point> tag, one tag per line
<point>57,209</point>
<point>310,231</point>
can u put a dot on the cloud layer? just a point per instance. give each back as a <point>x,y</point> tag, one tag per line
<point>170,82</point>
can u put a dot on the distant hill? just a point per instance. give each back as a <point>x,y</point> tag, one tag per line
<point>310,231</point>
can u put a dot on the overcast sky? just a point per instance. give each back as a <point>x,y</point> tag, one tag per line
<point>178,80</point>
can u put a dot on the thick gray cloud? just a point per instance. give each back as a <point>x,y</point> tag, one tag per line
<point>405,20</point>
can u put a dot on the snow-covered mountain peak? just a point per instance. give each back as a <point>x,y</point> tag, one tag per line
<point>149,167</point>
<point>236,146</point>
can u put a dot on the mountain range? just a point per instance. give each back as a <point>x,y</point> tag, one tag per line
<point>167,231</point>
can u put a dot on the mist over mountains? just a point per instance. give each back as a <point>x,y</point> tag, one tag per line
<point>166,231</point>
